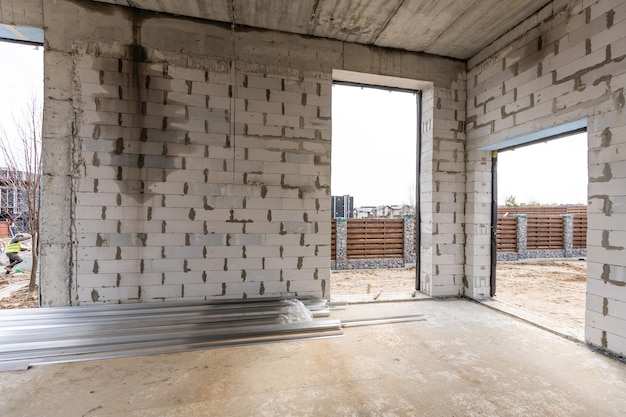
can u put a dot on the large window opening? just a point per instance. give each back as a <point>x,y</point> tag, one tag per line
<point>373,184</point>
<point>542,225</point>
<point>21,114</point>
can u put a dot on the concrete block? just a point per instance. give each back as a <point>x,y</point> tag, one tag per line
<point>258,130</point>
<point>107,295</point>
<point>191,74</point>
<point>608,323</point>
<point>445,290</point>
<point>258,94</point>
<point>161,291</point>
<point>599,8</point>
<point>564,57</point>
<point>264,82</point>
<point>166,84</point>
<point>161,265</point>
<point>169,110</point>
<point>224,78</point>
<point>207,290</point>
<point>263,252</point>
<point>184,252</point>
<point>92,281</point>
<point>186,125</point>
<point>300,110</point>
<point>218,102</point>
<point>263,107</point>
<point>285,97</point>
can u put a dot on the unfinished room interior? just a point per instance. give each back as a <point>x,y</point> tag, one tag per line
<point>186,204</point>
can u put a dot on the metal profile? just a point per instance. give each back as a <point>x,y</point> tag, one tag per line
<point>47,335</point>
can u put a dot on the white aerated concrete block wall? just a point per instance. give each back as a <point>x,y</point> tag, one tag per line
<point>442,191</point>
<point>570,66</point>
<point>195,174</point>
<point>188,161</point>
<point>187,194</point>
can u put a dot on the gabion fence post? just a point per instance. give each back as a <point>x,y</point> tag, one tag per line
<point>341,243</point>
<point>409,239</point>
<point>522,225</point>
<point>568,235</point>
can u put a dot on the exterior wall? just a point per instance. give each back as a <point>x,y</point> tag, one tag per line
<point>567,67</point>
<point>185,161</point>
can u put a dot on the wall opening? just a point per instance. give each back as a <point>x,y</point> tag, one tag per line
<point>541,232</point>
<point>373,161</point>
<point>21,115</point>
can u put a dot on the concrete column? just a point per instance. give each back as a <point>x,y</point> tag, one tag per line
<point>568,235</point>
<point>409,239</point>
<point>442,192</point>
<point>476,283</point>
<point>341,243</point>
<point>522,224</point>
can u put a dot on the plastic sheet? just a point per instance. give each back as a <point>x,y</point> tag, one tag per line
<point>295,312</point>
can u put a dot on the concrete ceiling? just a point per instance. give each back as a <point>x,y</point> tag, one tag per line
<point>452,28</point>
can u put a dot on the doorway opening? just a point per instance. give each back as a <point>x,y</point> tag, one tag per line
<point>373,182</point>
<point>541,228</point>
<point>21,114</point>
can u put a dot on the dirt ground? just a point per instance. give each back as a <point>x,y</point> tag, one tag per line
<point>19,298</point>
<point>554,289</point>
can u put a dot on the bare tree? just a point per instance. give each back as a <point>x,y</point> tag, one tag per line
<point>411,195</point>
<point>21,175</point>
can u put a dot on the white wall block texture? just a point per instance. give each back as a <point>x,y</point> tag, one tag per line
<point>180,140</point>
<point>577,58</point>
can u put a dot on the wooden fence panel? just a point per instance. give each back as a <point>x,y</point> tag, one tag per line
<point>544,232</point>
<point>554,210</point>
<point>375,238</point>
<point>506,234</point>
<point>577,210</point>
<point>580,231</point>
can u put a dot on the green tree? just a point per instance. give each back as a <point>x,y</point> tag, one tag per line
<point>533,202</point>
<point>510,201</point>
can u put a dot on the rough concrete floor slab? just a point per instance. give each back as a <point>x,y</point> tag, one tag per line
<point>464,359</point>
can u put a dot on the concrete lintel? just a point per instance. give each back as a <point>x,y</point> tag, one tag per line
<point>547,133</point>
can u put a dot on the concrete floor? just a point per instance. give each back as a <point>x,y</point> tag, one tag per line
<point>464,359</point>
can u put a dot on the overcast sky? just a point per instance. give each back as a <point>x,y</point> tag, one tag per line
<point>374,145</point>
<point>553,172</point>
<point>21,77</point>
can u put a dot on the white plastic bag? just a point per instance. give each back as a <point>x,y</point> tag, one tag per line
<point>295,312</point>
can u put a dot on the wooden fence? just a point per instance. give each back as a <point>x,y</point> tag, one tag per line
<point>544,227</point>
<point>580,231</point>
<point>544,232</point>
<point>384,238</point>
<point>506,234</point>
<point>375,238</point>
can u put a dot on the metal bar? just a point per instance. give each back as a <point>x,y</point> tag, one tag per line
<point>103,344</point>
<point>114,309</point>
<point>494,222</point>
<point>129,319</point>
<point>418,191</point>
<point>25,364</point>
<point>47,335</point>
<point>383,320</point>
